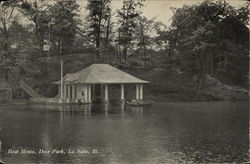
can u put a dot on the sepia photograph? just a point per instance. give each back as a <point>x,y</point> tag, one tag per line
<point>124,81</point>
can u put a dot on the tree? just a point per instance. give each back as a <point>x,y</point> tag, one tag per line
<point>36,11</point>
<point>127,23</point>
<point>63,25</point>
<point>8,17</point>
<point>212,38</point>
<point>8,20</point>
<point>143,30</point>
<point>99,15</point>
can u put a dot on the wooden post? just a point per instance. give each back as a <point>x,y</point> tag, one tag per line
<point>141,91</point>
<point>122,91</point>
<point>61,80</point>
<point>106,92</point>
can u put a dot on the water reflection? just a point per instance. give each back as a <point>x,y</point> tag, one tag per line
<point>137,109</point>
<point>162,133</point>
<point>75,110</point>
<point>106,108</point>
<point>122,110</point>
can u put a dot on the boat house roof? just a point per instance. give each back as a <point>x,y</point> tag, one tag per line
<point>101,74</point>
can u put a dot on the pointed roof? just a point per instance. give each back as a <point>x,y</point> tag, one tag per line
<point>101,74</point>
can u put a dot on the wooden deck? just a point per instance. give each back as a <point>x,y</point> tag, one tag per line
<point>43,100</point>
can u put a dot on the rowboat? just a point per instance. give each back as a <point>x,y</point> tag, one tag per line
<point>139,102</point>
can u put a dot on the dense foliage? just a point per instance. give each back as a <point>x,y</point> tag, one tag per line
<point>207,38</point>
<point>211,38</point>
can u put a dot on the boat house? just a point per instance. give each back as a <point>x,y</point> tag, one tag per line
<point>97,82</point>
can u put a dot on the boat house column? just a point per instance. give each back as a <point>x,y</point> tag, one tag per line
<point>89,93</point>
<point>61,91</point>
<point>106,93</point>
<point>85,93</point>
<point>68,92</point>
<point>137,92</point>
<point>122,92</point>
<point>141,91</point>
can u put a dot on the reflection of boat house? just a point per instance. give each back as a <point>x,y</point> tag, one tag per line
<point>95,82</point>
<point>5,91</point>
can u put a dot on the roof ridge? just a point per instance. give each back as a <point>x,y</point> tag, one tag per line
<point>90,69</point>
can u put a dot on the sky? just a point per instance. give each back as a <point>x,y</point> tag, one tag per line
<point>161,9</point>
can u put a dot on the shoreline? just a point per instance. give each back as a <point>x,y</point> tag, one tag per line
<point>116,102</point>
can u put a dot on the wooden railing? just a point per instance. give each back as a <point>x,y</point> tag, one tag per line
<point>28,89</point>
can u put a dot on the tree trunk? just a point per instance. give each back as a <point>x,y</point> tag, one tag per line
<point>107,31</point>
<point>58,46</point>
<point>125,53</point>
<point>119,46</point>
<point>120,54</point>
<point>97,46</point>
<point>198,87</point>
<point>145,53</point>
<point>199,84</point>
<point>107,38</point>
<point>38,38</point>
<point>108,51</point>
<point>40,44</point>
<point>141,52</point>
<point>212,63</point>
<point>92,56</point>
<point>6,43</point>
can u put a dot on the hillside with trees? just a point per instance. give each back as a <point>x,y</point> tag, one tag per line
<point>202,55</point>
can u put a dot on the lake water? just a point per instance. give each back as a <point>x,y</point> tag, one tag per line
<point>162,133</point>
